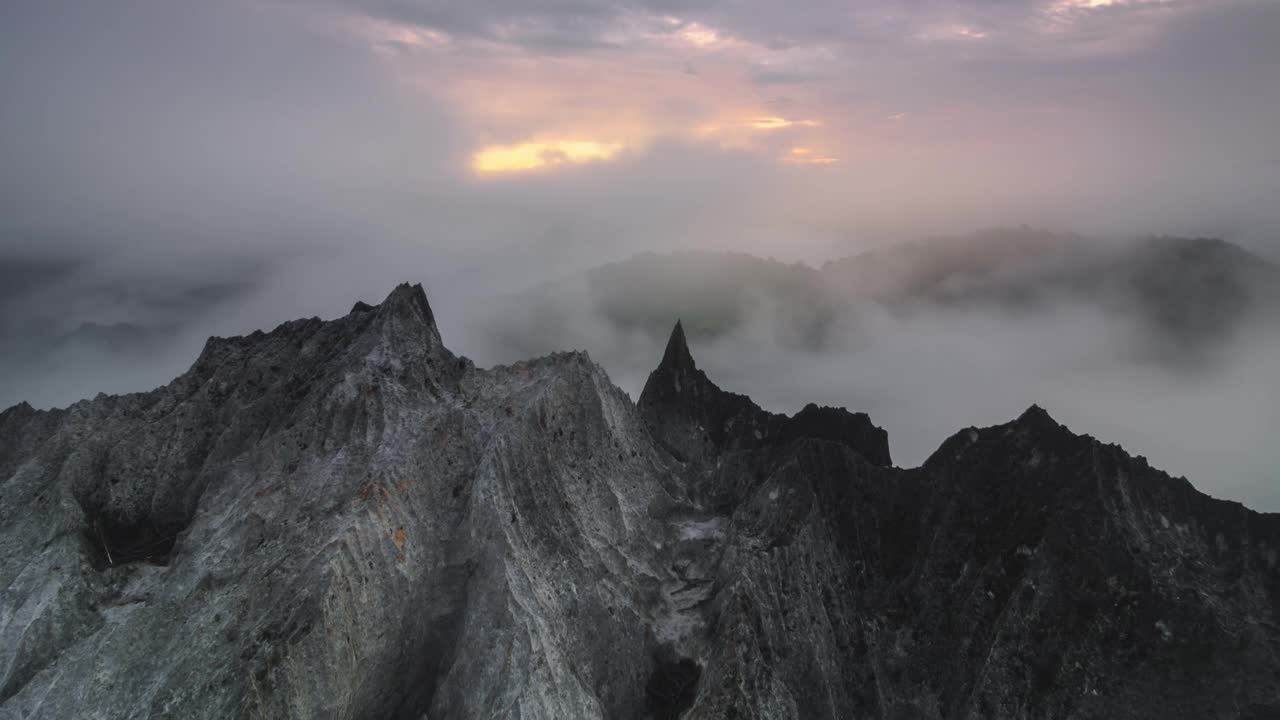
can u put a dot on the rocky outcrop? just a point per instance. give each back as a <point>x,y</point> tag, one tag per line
<point>343,519</point>
<point>695,419</point>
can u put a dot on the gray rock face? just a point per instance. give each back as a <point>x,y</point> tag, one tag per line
<point>345,520</point>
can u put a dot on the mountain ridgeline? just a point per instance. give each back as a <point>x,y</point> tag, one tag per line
<point>1183,297</point>
<point>343,519</point>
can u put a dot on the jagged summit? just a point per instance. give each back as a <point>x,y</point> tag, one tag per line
<point>854,430</point>
<point>405,297</point>
<point>410,297</point>
<point>404,320</point>
<point>403,325</point>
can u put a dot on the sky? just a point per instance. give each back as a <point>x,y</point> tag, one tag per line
<point>216,167</point>
<point>616,125</point>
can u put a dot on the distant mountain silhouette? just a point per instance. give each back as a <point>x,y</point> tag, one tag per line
<point>1184,294</point>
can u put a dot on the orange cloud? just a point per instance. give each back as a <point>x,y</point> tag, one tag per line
<point>775,123</point>
<point>524,157</point>
<point>808,156</point>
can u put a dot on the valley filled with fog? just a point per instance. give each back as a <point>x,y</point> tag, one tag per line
<point>1164,345</point>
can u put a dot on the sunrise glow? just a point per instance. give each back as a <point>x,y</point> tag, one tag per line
<point>700,36</point>
<point>777,123</point>
<point>530,156</point>
<point>808,156</point>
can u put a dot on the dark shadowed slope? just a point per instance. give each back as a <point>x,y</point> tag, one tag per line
<point>1024,571</point>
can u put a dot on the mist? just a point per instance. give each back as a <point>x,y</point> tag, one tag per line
<point>925,378</point>
<point>1194,392</point>
<point>170,172</point>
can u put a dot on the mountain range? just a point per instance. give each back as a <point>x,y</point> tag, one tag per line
<point>345,519</point>
<point>1183,296</point>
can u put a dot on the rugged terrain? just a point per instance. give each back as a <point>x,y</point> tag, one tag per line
<point>343,519</point>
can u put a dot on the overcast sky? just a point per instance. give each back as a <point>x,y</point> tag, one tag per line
<point>301,154</point>
<point>576,127</point>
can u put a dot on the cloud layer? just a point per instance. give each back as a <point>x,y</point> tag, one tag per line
<point>296,156</point>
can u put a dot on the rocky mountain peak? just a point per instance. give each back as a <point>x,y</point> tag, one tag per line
<point>1031,438</point>
<point>689,413</point>
<point>692,417</point>
<point>677,379</point>
<point>677,358</point>
<point>406,318</point>
<point>410,299</point>
<point>22,408</point>
<point>1037,417</point>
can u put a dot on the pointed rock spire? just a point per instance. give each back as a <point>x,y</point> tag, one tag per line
<point>677,355</point>
<point>693,418</point>
<point>689,414</point>
<point>677,379</point>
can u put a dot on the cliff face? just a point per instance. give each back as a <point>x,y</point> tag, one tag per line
<point>343,519</point>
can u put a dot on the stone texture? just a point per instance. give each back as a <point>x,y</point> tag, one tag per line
<point>345,520</point>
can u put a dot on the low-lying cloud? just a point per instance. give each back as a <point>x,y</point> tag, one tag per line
<point>169,171</point>
<point>1190,387</point>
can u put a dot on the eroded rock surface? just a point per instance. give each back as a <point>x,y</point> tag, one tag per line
<point>343,519</point>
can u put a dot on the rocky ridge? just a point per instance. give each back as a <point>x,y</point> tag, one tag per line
<point>343,519</point>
